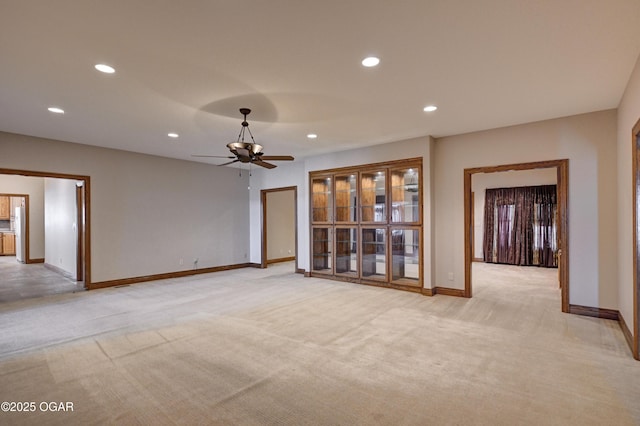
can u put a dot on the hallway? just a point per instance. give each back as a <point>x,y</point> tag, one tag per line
<point>24,281</point>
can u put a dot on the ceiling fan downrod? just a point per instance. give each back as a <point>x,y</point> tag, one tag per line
<point>245,125</point>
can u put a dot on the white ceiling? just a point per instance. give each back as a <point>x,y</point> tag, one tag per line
<point>188,66</point>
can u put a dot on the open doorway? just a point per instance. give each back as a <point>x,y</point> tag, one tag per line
<point>561,170</point>
<point>13,226</point>
<point>53,240</point>
<point>514,238</point>
<point>279,226</point>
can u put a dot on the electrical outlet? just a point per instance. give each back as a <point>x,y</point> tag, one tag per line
<point>181,261</point>
<point>450,276</point>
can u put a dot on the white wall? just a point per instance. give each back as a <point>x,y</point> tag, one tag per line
<point>147,212</point>
<point>587,140</point>
<point>34,187</point>
<point>628,115</point>
<point>513,178</point>
<point>297,174</point>
<point>285,175</point>
<point>281,225</point>
<point>60,224</point>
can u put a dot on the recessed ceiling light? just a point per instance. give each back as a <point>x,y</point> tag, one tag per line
<point>56,110</point>
<point>430,108</point>
<point>173,135</point>
<point>105,68</point>
<point>312,136</point>
<point>370,61</point>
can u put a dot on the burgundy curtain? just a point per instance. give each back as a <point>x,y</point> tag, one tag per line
<point>520,226</point>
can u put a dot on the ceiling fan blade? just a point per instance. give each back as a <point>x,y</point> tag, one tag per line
<point>213,156</point>
<point>264,164</point>
<point>230,162</point>
<point>277,157</point>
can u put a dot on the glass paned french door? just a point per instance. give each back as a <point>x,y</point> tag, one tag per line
<point>374,253</point>
<point>405,256</point>
<point>347,251</point>
<point>322,244</point>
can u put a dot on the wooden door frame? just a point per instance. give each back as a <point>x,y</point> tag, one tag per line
<point>562,169</point>
<point>635,144</point>
<point>80,228</point>
<point>263,202</point>
<point>86,183</point>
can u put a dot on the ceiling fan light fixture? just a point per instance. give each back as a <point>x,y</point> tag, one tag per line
<point>312,136</point>
<point>56,110</point>
<point>430,108</point>
<point>256,149</point>
<point>173,135</point>
<point>249,152</point>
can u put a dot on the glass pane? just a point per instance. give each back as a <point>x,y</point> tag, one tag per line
<point>346,251</point>
<point>405,195</point>
<point>346,198</point>
<point>322,243</point>
<point>322,203</point>
<point>405,252</point>
<point>373,197</point>
<point>374,259</point>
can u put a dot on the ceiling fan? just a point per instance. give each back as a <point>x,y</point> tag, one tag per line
<point>248,152</point>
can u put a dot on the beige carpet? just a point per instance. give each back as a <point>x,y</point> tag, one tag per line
<point>269,347</point>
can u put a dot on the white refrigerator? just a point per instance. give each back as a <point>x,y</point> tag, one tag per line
<point>19,222</point>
